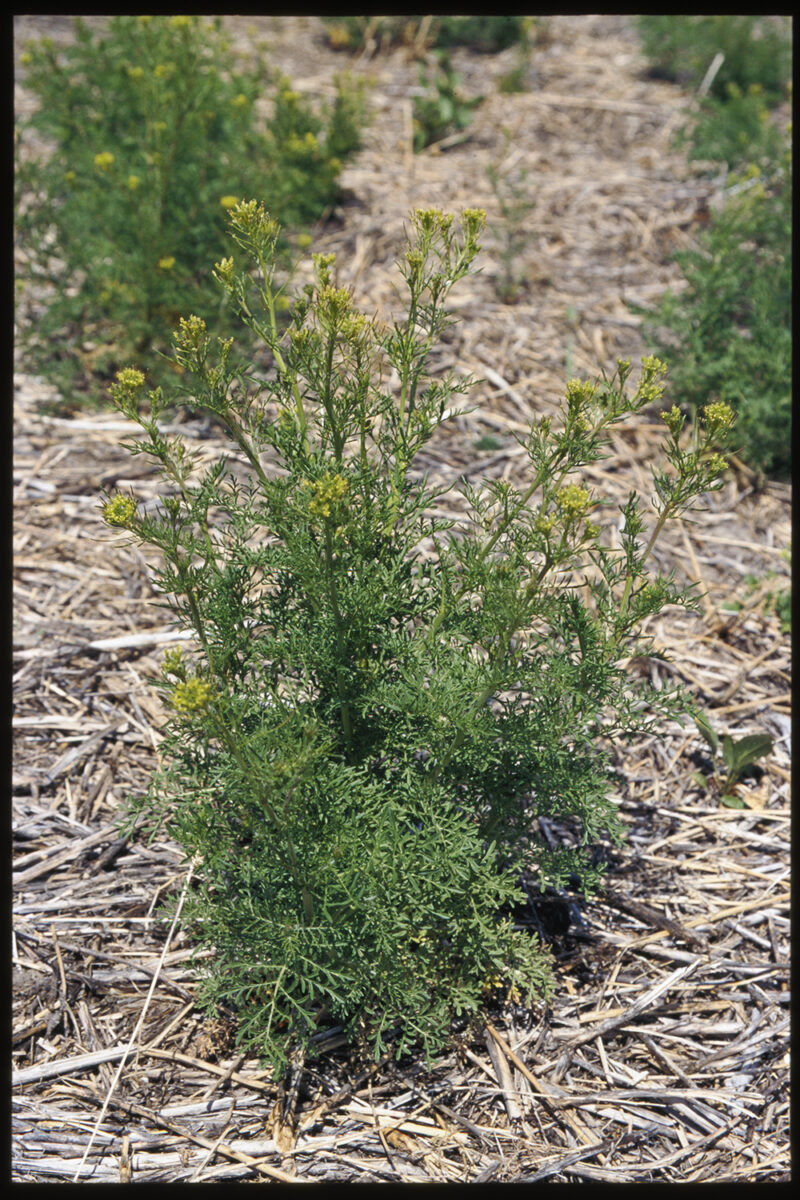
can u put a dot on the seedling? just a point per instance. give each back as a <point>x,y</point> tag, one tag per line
<point>738,757</point>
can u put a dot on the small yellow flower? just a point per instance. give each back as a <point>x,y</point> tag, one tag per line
<point>166,263</point>
<point>120,511</point>
<point>180,22</point>
<point>135,72</point>
<point>304,240</point>
<point>239,101</point>
<point>103,160</point>
<point>69,176</point>
<point>133,182</point>
<point>229,201</point>
<point>161,70</point>
<point>26,59</point>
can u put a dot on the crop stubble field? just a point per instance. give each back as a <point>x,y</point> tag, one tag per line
<point>663,1054</point>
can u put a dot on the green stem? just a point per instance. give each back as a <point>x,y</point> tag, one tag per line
<point>347,724</point>
<point>626,594</point>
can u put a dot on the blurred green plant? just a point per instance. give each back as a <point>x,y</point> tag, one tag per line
<point>768,594</point>
<point>442,110</point>
<point>487,34</point>
<point>755,49</point>
<point>735,130</point>
<point>152,132</point>
<point>515,197</point>
<point>728,334</point>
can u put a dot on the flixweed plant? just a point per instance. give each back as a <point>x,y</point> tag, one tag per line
<point>381,700</point>
<point>516,200</point>
<point>152,133</point>
<point>728,333</point>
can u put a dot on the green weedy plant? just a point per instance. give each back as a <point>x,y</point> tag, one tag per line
<point>728,334</point>
<point>738,755</point>
<point>755,49</point>
<point>382,701</point>
<point>442,110</point>
<point>514,193</point>
<point>154,135</point>
<point>485,34</point>
<point>734,131</point>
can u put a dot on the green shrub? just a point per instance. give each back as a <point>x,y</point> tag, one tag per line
<point>757,50</point>
<point>728,335</point>
<point>154,134</point>
<point>482,33</point>
<point>382,701</point>
<point>733,131</point>
<point>488,34</point>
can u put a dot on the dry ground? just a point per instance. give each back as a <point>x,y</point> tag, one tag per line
<point>664,1054</point>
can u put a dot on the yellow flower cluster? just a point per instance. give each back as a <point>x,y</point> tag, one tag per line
<point>172,663</point>
<point>103,160</point>
<point>304,145</point>
<point>224,270</point>
<point>717,418</point>
<point>674,420</point>
<point>573,501</point>
<point>191,333</point>
<point>193,696</point>
<point>119,511</point>
<point>473,220</point>
<point>130,379</point>
<point>251,219</point>
<point>328,492</point>
<point>651,387</point>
